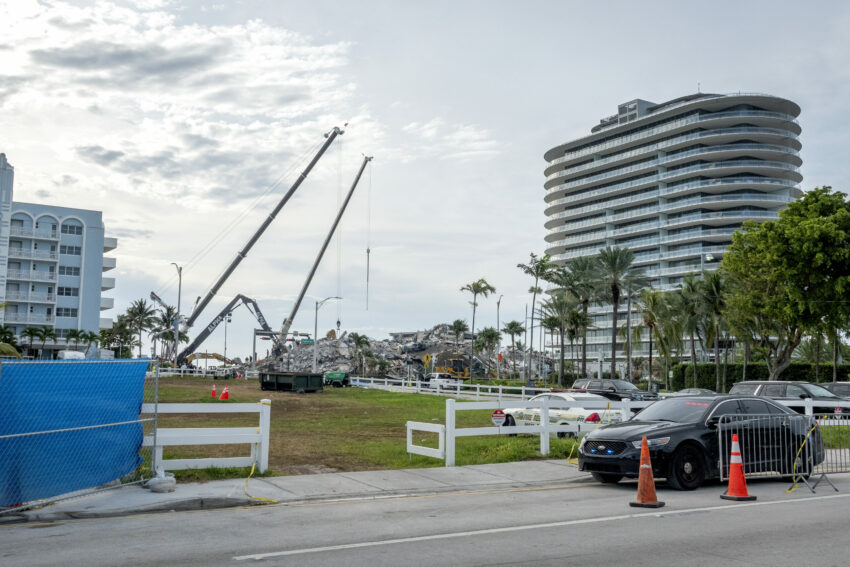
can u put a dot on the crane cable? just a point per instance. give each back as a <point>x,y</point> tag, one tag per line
<point>339,240</point>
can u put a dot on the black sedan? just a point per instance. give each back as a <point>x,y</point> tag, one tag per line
<point>683,437</point>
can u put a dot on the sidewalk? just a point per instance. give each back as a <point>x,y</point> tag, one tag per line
<point>135,499</point>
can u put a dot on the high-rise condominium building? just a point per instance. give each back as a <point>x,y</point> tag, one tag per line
<point>671,182</point>
<point>52,267</point>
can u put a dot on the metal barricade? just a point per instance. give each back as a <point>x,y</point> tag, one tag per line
<point>797,447</point>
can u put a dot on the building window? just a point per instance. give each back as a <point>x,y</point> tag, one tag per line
<point>70,250</point>
<point>66,311</point>
<point>62,333</point>
<point>69,271</point>
<point>68,291</point>
<point>72,229</point>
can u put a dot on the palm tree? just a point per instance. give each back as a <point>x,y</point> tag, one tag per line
<point>653,311</point>
<point>30,333</point>
<point>140,316</point>
<point>514,329</point>
<point>559,307</point>
<point>44,334</point>
<point>487,341</point>
<point>714,305</point>
<point>539,269</point>
<point>634,283</point>
<point>690,310</point>
<point>458,327</point>
<point>614,270</point>
<point>579,278</point>
<point>75,336</point>
<point>476,288</point>
<point>361,349</point>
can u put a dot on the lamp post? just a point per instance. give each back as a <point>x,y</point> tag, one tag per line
<point>177,318</point>
<point>499,347</point>
<point>315,333</point>
<point>707,258</point>
<point>227,320</point>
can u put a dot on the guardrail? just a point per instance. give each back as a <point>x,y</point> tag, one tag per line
<point>448,433</point>
<point>257,437</point>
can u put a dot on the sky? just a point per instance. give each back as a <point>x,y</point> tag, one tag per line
<point>186,122</point>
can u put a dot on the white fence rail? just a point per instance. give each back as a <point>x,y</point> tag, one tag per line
<point>467,391</point>
<point>257,437</point>
<point>447,434</point>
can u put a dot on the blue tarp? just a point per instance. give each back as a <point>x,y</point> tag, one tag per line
<point>47,396</point>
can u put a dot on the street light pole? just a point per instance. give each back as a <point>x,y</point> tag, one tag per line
<point>316,331</point>
<point>499,347</point>
<point>177,318</point>
<point>226,321</point>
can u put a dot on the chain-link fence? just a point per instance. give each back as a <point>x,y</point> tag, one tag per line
<point>71,427</point>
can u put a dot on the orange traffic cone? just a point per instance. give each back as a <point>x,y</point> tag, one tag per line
<point>737,482</point>
<point>646,483</point>
<point>213,390</point>
<point>224,395</point>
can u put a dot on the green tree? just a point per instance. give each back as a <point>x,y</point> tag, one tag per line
<point>488,340</point>
<point>559,307</point>
<point>513,329</point>
<point>614,271</point>
<point>45,334</point>
<point>74,336</point>
<point>30,333</point>
<point>792,275</point>
<point>652,310</point>
<point>141,316</point>
<point>458,327</point>
<point>8,343</point>
<point>362,349</point>
<point>689,309</point>
<point>539,269</point>
<point>713,299</point>
<point>476,288</point>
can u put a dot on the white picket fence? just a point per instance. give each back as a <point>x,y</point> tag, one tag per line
<point>470,391</point>
<point>257,437</point>
<point>448,433</point>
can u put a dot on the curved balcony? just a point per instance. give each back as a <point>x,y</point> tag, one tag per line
<point>722,151</point>
<point>640,242</point>
<point>727,184</point>
<point>763,199</point>
<point>720,215</point>
<point>700,234</point>
<point>595,207</point>
<point>766,117</point>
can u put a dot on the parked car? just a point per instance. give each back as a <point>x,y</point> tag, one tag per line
<point>823,400</point>
<point>682,434</point>
<point>613,389</point>
<point>567,416</point>
<point>839,388</point>
<point>444,379</point>
<point>691,392</point>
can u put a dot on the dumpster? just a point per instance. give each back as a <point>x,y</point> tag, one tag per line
<point>290,381</point>
<point>337,379</point>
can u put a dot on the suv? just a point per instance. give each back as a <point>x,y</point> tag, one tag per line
<point>838,388</point>
<point>786,390</point>
<point>442,379</point>
<point>613,389</point>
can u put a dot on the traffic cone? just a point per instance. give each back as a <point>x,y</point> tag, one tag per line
<point>646,483</point>
<point>737,482</point>
<point>224,395</point>
<point>213,391</point>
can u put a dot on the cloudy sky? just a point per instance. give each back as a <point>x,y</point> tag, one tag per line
<point>186,121</point>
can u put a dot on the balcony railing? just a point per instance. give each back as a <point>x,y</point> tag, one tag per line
<point>31,275</point>
<point>15,252</point>
<point>32,297</point>
<point>721,215</point>
<point>34,318</point>
<point>30,232</point>
<point>595,207</point>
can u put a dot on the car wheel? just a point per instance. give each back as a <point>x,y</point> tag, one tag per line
<point>566,435</point>
<point>687,468</point>
<point>607,478</point>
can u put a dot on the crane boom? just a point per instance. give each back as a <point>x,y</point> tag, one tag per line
<point>287,323</point>
<point>201,305</point>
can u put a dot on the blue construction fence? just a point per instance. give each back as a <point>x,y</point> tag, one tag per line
<point>68,425</point>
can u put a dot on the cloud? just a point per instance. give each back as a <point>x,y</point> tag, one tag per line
<point>450,141</point>
<point>145,234</point>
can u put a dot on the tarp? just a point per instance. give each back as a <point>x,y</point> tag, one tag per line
<point>103,397</point>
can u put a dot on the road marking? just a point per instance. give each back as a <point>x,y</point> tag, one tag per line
<point>489,531</point>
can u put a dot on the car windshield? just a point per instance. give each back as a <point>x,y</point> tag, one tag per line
<point>818,391</point>
<point>678,410</point>
<point>623,385</point>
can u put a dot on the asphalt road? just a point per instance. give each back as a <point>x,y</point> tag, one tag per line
<point>572,524</point>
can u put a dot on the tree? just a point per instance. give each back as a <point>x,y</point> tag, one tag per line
<point>30,333</point>
<point>140,317</point>
<point>487,341</point>
<point>458,327</point>
<point>688,301</point>
<point>713,298</point>
<point>614,270</point>
<point>8,344</point>
<point>652,310</point>
<point>45,334</point>
<point>559,307</point>
<point>361,349</point>
<point>792,275</point>
<point>513,329</point>
<point>476,288</point>
<point>75,336</point>
<point>539,269</point>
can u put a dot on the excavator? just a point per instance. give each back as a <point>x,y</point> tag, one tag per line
<point>252,306</point>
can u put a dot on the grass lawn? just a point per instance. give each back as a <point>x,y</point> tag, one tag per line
<point>340,429</point>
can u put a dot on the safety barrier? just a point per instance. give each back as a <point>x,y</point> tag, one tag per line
<point>448,433</point>
<point>471,391</point>
<point>258,437</point>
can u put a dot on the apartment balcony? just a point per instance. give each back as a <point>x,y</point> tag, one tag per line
<point>30,297</point>
<point>36,233</point>
<point>107,283</point>
<point>31,275</point>
<point>109,263</point>
<point>28,254</point>
<point>107,303</point>
<point>29,318</point>
<point>552,214</point>
<point>109,243</point>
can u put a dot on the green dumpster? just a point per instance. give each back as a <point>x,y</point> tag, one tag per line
<point>337,379</point>
<point>291,381</point>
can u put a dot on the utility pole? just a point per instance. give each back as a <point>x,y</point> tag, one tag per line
<point>499,347</point>
<point>177,318</point>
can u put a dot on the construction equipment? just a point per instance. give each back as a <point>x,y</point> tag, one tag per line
<point>186,355</point>
<point>207,355</point>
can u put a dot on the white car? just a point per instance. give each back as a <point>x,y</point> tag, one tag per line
<point>566,416</point>
<point>444,379</point>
